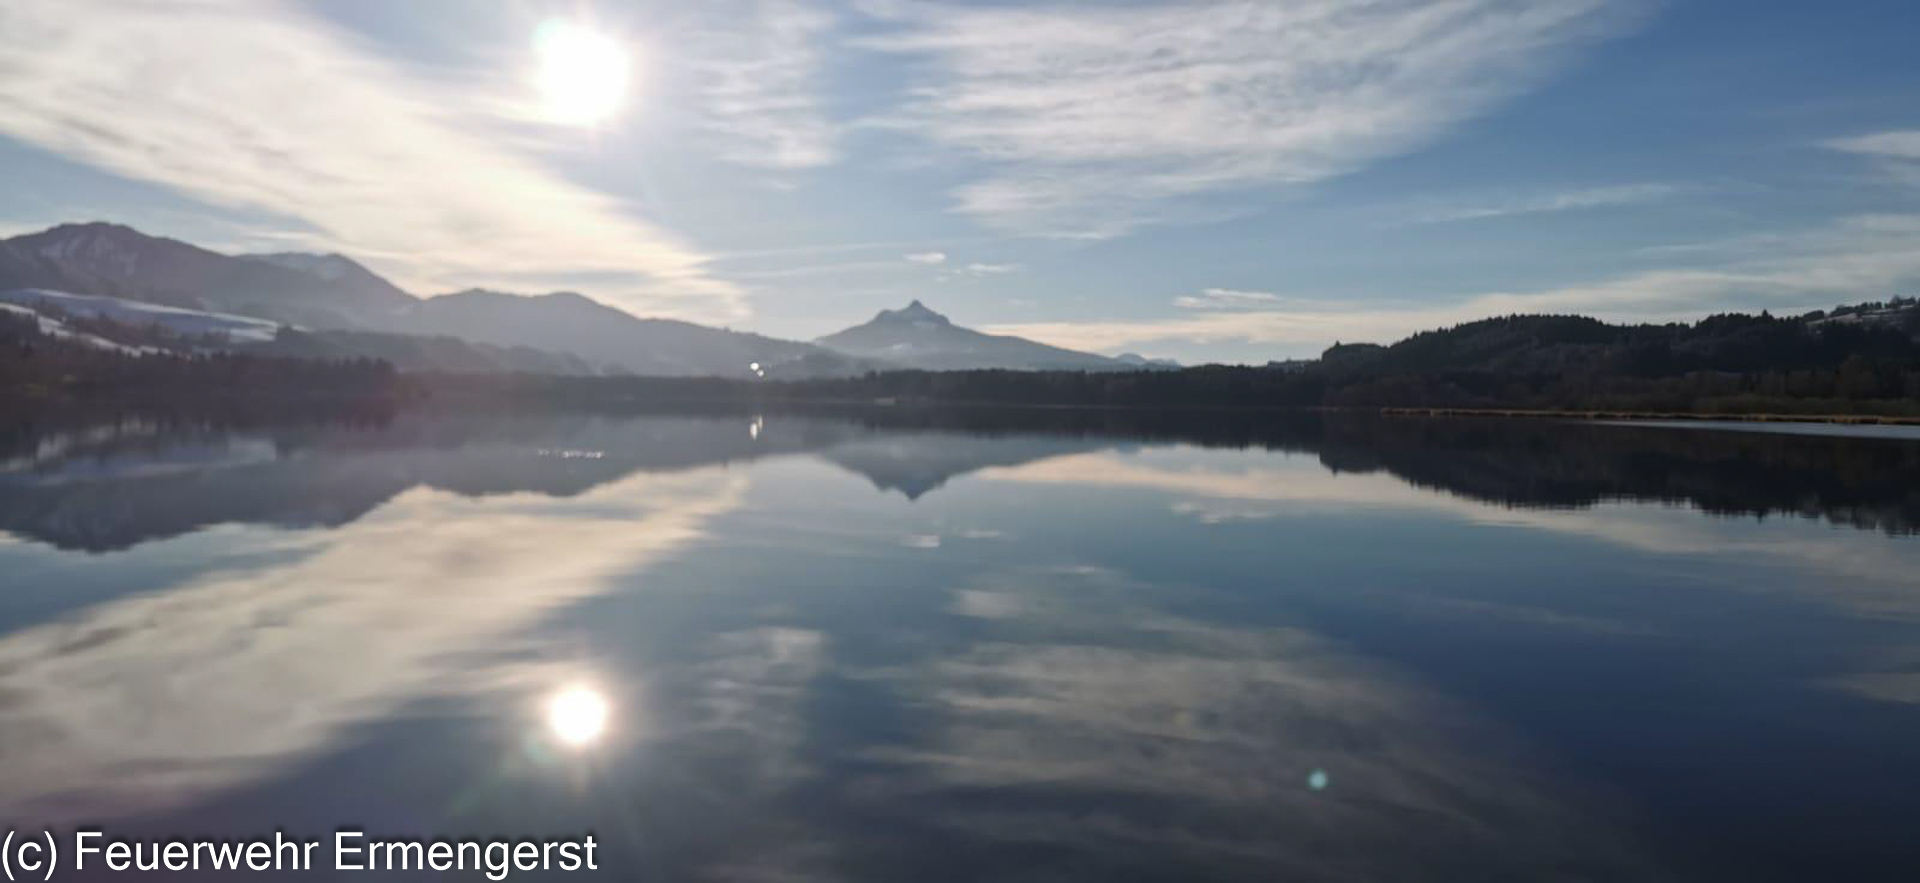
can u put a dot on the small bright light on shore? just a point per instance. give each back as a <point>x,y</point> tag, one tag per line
<point>582,73</point>
<point>577,715</point>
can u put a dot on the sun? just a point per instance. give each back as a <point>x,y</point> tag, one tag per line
<point>577,715</point>
<point>582,74</point>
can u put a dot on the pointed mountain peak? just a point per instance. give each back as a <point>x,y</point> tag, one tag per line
<point>912,312</point>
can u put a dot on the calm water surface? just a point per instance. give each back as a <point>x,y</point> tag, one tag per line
<point>1066,647</point>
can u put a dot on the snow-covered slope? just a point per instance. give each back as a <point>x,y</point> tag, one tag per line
<point>183,322</point>
<point>119,261</point>
<point>56,328</point>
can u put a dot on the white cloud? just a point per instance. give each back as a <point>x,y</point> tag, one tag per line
<point>1898,152</point>
<point>1201,738</point>
<point>1095,120</point>
<point>833,269</point>
<point>1225,299</point>
<point>1539,203</point>
<point>1898,145</point>
<point>1859,258</point>
<point>265,107</point>
<point>979,270</point>
<point>927,257</point>
<point>758,64</point>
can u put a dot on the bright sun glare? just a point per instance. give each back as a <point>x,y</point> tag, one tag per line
<point>577,715</point>
<point>582,74</point>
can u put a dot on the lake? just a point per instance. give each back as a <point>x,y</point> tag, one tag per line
<point>892,645</point>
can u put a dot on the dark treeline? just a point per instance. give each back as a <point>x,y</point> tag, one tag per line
<point>1866,362</point>
<point>38,366</point>
<point>1855,360</point>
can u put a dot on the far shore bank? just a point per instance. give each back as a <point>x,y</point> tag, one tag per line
<point>1735,417</point>
<point>712,394</point>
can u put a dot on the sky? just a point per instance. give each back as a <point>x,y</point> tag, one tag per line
<point>1208,181</point>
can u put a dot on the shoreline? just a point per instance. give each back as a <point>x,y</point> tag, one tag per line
<point>432,399</point>
<point>1639,416</point>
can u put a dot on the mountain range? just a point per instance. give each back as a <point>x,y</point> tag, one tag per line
<point>332,306</point>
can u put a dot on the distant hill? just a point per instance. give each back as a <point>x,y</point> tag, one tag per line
<point>1578,345</point>
<point>119,261</point>
<point>917,337</point>
<point>107,292</point>
<point>576,324</point>
<point>1724,364</point>
<point>118,324</point>
<point>320,294</point>
<point>1136,360</point>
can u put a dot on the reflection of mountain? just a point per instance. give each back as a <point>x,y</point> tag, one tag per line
<point>917,463</point>
<point>132,482</point>
<point>122,484</point>
<point>112,492</point>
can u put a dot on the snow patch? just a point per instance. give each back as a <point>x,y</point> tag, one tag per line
<point>237,329</point>
<point>56,328</point>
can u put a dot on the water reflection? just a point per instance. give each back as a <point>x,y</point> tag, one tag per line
<point>1153,746</point>
<point>106,487</point>
<point>957,647</point>
<point>158,698</point>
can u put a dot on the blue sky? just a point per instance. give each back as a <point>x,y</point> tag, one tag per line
<point>1206,180</point>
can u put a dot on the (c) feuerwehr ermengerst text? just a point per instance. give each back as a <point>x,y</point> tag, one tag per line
<point>38,854</point>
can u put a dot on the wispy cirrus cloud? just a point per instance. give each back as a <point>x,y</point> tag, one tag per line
<point>1898,144</point>
<point>1226,299</point>
<point>759,67</point>
<point>1897,151</point>
<point>1857,258</point>
<point>970,269</point>
<point>1092,121</point>
<point>1505,205</point>
<point>269,108</point>
<point>930,258</point>
<point>978,269</point>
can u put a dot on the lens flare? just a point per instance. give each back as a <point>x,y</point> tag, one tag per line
<point>577,715</point>
<point>582,74</point>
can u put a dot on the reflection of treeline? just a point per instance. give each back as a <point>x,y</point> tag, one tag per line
<point>1867,483</point>
<point>39,365</point>
<point>1860,482</point>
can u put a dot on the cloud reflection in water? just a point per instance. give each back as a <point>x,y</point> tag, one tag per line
<point>1088,722</point>
<point>157,699</point>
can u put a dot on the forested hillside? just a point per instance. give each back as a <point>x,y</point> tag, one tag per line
<point>1862,359</point>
